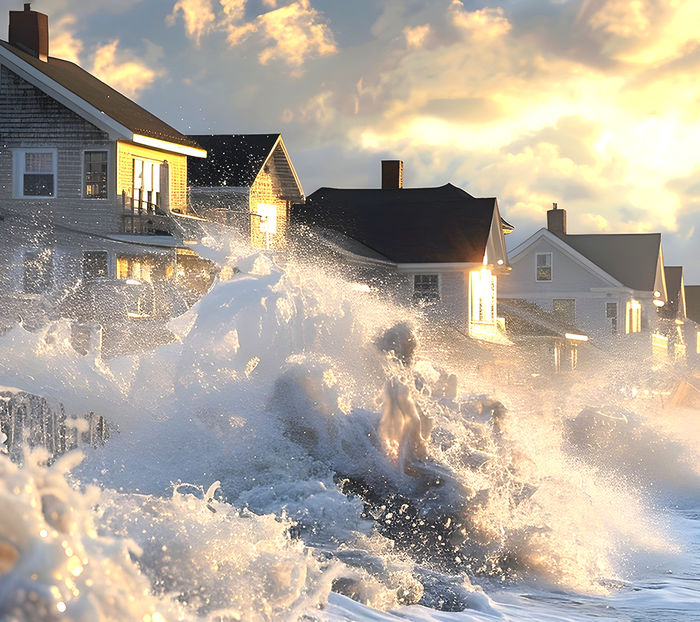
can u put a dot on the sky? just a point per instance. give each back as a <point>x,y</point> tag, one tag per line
<point>593,104</point>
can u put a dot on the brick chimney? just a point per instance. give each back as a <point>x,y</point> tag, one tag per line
<point>29,31</point>
<point>556,220</point>
<point>392,174</point>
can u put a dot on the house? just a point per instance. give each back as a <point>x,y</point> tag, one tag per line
<point>440,248</point>
<point>93,188</point>
<point>673,313</point>
<point>609,285</point>
<point>247,181</point>
<point>692,301</point>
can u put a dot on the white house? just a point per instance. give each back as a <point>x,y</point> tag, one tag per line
<point>440,248</point>
<point>609,285</point>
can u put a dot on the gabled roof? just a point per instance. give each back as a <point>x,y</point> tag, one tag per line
<point>104,98</point>
<point>631,258</point>
<point>674,281</point>
<point>406,225</point>
<point>232,159</point>
<point>692,302</point>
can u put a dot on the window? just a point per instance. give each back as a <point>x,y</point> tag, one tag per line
<point>146,194</point>
<point>633,317</point>
<point>544,266</point>
<point>38,270</point>
<point>426,288</point>
<point>133,268</point>
<point>35,173</point>
<point>94,264</point>
<point>95,175</point>
<point>268,218</point>
<point>611,314</point>
<point>564,310</point>
<point>482,294</point>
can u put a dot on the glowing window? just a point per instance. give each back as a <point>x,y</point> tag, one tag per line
<point>146,191</point>
<point>543,266</point>
<point>633,323</point>
<point>95,175</point>
<point>268,218</point>
<point>482,295</point>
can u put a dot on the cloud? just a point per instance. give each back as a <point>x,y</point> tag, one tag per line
<point>63,43</point>
<point>415,37</point>
<point>624,18</point>
<point>295,33</point>
<point>485,23</point>
<point>129,77</point>
<point>198,16</point>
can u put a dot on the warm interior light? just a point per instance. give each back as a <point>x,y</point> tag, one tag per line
<point>659,303</point>
<point>657,294</point>
<point>500,262</point>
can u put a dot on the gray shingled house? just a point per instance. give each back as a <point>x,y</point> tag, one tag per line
<point>440,248</point>
<point>93,188</point>
<point>247,181</point>
<point>610,285</point>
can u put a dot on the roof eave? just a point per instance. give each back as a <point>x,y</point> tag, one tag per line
<point>166,145</point>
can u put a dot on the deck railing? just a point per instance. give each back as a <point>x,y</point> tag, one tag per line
<point>142,217</point>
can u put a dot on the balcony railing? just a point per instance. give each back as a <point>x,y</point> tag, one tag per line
<point>142,217</point>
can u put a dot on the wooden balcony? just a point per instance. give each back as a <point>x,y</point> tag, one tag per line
<point>141,217</point>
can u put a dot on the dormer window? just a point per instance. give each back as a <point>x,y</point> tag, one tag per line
<point>543,267</point>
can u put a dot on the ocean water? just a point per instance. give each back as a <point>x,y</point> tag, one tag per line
<point>306,451</point>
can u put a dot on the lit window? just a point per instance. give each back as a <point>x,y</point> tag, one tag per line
<point>544,266</point>
<point>268,218</point>
<point>94,264</point>
<point>95,171</point>
<point>633,317</point>
<point>38,270</point>
<point>426,288</point>
<point>611,314</point>
<point>482,294</point>
<point>35,173</point>
<point>146,193</point>
<point>564,310</point>
<point>133,268</point>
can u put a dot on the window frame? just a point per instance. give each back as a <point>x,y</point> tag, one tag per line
<point>613,318</point>
<point>19,171</point>
<point>549,265</point>
<point>84,173</point>
<point>419,298</point>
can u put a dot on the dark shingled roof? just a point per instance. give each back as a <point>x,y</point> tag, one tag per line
<point>692,302</point>
<point>104,98</point>
<point>674,279</point>
<point>408,225</point>
<point>631,258</point>
<point>232,159</point>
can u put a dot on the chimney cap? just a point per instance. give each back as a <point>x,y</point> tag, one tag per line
<point>555,206</point>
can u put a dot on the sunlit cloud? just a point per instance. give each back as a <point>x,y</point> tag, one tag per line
<point>129,77</point>
<point>198,16</point>
<point>624,18</point>
<point>296,33</point>
<point>64,43</point>
<point>415,37</point>
<point>485,23</point>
